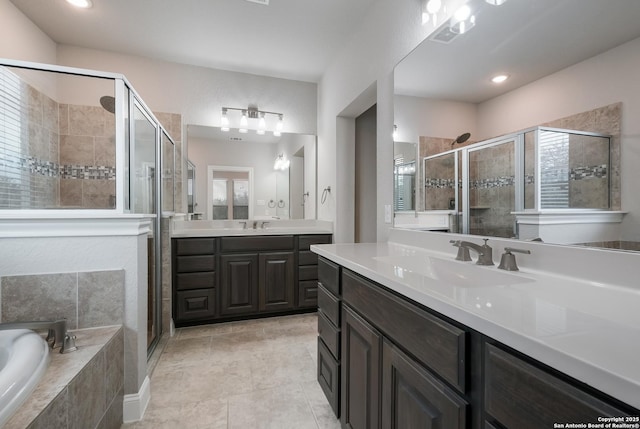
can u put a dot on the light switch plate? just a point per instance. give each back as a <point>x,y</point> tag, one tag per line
<point>387,213</point>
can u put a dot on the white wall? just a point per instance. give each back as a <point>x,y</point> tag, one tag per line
<point>417,116</point>
<point>390,30</point>
<point>605,79</point>
<point>199,93</point>
<point>21,39</point>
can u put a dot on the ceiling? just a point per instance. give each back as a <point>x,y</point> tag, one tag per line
<point>291,39</point>
<point>527,39</point>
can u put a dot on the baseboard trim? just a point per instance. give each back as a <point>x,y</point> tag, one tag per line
<point>134,405</point>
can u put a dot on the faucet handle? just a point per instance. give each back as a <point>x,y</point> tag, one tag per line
<point>463,252</point>
<point>508,260</point>
<point>69,344</point>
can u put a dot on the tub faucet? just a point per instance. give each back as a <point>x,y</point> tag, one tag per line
<point>485,252</point>
<point>57,336</point>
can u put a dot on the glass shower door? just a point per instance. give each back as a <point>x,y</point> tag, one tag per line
<point>144,200</point>
<point>492,190</point>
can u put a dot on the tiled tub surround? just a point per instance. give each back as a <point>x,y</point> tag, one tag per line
<point>82,389</point>
<point>86,300</point>
<point>572,308</point>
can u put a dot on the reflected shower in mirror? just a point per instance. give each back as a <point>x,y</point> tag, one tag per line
<point>567,104</point>
<point>283,170</point>
<point>404,176</point>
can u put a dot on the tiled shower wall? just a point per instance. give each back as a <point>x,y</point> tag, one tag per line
<point>86,299</point>
<point>62,155</point>
<point>87,157</point>
<point>490,216</point>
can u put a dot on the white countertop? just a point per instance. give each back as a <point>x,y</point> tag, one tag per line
<point>234,228</point>
<point>585,329</point>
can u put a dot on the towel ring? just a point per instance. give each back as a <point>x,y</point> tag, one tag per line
<point>325,192</point>
<point>281,202</point>
<point>272,204</point>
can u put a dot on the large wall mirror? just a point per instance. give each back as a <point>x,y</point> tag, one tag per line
<point>250,176</point>
<point>549,153</point>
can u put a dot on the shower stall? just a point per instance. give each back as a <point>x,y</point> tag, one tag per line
<point>488,184</point>
<point>81,140</point>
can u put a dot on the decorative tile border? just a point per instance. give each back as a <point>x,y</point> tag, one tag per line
<point>52,169</point>
<point>577,173</point>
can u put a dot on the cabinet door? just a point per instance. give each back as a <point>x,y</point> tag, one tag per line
<point>276,281</point>
<point>413,398</point>
<point>239,288</point>
<point>520,396</point>
<point>360,372</point>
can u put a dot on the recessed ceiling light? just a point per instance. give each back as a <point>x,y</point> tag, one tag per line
<point>499,78</point>
<point>85,4</point>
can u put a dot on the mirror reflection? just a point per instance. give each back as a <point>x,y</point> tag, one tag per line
<point>540,154</point>
<point>251,176</point>
<point>404,176</point>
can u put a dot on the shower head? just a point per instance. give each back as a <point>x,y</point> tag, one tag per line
<point>108,103</point>
<point>461,138</point>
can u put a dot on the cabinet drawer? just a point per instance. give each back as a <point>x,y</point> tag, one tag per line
<point>329,376</point>
<point>433,341</point>
<point>195,304</point>
<point>308,293</point>
<point>309,272</point>
<point>305,241</point>
<point>257,243</point>
<point>520,395</point>
<point>195,280</point>
<point>195,246</point>
<point>329,275</point>
<point>329,334</point>
<point>329,305</point>
<point>188,264</point>
<point>307,257</point>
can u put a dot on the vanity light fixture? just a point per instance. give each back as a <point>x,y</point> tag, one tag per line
<point>282,163</point>
<point>247,115</point>
<point>463,20</point>
<point>84,4</point>
<point>499,78</point>
<point>430,10</point>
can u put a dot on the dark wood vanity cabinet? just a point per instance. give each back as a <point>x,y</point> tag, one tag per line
<point>361,355</point>
<point>308,269</point>
<point>194,279</point>
<point>233,277</point>
<point>403,365</point>
<point>518,394</point>
<point>238,284</point>
<point>329,331</point>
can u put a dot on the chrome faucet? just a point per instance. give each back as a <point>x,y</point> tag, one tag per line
<point>57,336</point>
<point>243,223</point>
<point>264,224</point>
<point>485,252</point>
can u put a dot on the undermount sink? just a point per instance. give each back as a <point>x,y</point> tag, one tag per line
<point>454,273</point>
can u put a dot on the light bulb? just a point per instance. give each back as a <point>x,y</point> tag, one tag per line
<point>224,121</point>
<point>499,78</point>
<point>394,135</point>
<point>244,122</point>
<point>84,4</point>
<point>433,6</point>
<point>262,124</point>
<point>280,124</point>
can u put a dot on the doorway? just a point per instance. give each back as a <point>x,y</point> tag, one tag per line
<point>365,195</point>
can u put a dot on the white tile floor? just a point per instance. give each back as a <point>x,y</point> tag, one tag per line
<point>252,374</point>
